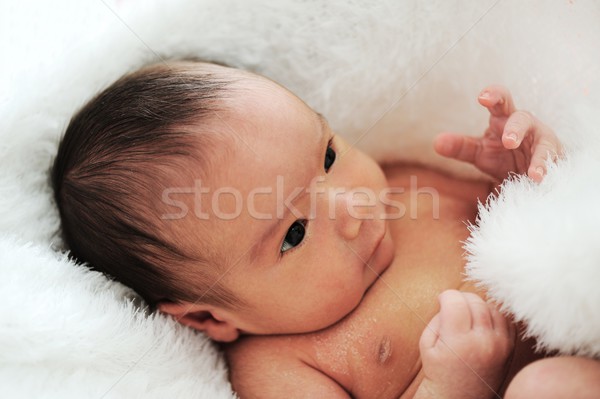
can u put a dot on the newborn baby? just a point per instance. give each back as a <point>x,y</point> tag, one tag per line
<point>227,202</point>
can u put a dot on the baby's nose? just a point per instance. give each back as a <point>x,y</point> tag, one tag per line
<point>352,208</point>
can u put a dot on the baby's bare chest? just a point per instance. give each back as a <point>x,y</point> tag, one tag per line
<point>373,352</point>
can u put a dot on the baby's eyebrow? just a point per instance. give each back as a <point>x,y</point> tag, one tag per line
<point>323,122</point>
<point>324,125</point>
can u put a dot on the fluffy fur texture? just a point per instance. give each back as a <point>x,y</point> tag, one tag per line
<point>68,332</point>
<point>389,75</point>
<point>536,250</point>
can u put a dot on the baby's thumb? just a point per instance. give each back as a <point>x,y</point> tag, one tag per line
<point>457,146</point>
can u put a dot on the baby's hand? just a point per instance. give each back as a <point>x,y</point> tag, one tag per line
<point>464,349</point>
<point>515,141</point>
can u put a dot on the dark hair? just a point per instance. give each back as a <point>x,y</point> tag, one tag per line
<point>118,151</point>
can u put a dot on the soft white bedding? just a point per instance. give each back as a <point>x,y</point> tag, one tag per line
<point>388,75</point>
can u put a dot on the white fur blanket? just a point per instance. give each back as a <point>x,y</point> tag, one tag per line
<point>389,74</point>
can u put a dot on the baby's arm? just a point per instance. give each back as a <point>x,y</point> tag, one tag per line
<point>464,349</point>
<point>515,141</point>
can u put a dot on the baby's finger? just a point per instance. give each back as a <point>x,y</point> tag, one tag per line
<point>455,315</point>
<point>512,330</point>
<point>545,145</point>
<point>518,125</point>
<point>430,334</point>
<point>498,100</point>
<point>501,324</point>
<point>480,311</point>
<point>457,146</point>
<point>543,148</point>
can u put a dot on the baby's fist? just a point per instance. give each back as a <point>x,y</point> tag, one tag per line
<point>465,347</point>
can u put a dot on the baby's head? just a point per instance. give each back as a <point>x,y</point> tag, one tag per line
<point>222,199</point>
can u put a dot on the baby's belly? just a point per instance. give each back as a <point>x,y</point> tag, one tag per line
<point>374,352</point>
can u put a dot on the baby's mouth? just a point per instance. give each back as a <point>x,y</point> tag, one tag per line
<point>377,243</point>
<point>377,269</point>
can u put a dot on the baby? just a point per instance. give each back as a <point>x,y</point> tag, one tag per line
<point>225,201</point>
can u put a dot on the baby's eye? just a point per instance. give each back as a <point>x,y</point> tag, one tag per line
<point>329,157</point>
<point>294,235</point>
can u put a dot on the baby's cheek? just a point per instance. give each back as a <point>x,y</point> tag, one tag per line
<point>342,293</point>
<point>368,169</point>
<point>331,310</point>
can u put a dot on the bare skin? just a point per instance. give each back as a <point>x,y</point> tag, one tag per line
<point>338,306</point>
<point>374,351</point>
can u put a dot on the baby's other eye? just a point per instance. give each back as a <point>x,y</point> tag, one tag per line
<point>329,157</point>
<point>294,235</point>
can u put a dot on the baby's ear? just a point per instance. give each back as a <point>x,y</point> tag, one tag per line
<point>210,320</point>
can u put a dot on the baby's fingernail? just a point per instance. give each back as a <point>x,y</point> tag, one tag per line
<point>485,95</point>
<point>512,136</point>
<point>540,170</point>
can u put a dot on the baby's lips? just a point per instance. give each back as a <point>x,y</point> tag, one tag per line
<point>381,226</point>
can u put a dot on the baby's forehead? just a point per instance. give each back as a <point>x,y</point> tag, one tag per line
<point>262,143</point>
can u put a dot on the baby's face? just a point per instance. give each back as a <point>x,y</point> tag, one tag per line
<point>296,211</point>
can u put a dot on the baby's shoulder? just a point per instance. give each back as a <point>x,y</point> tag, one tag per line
<point>250,351</point>
<point>275,367</point>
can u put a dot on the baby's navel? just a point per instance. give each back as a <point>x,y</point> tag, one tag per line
<point>384,350</point>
